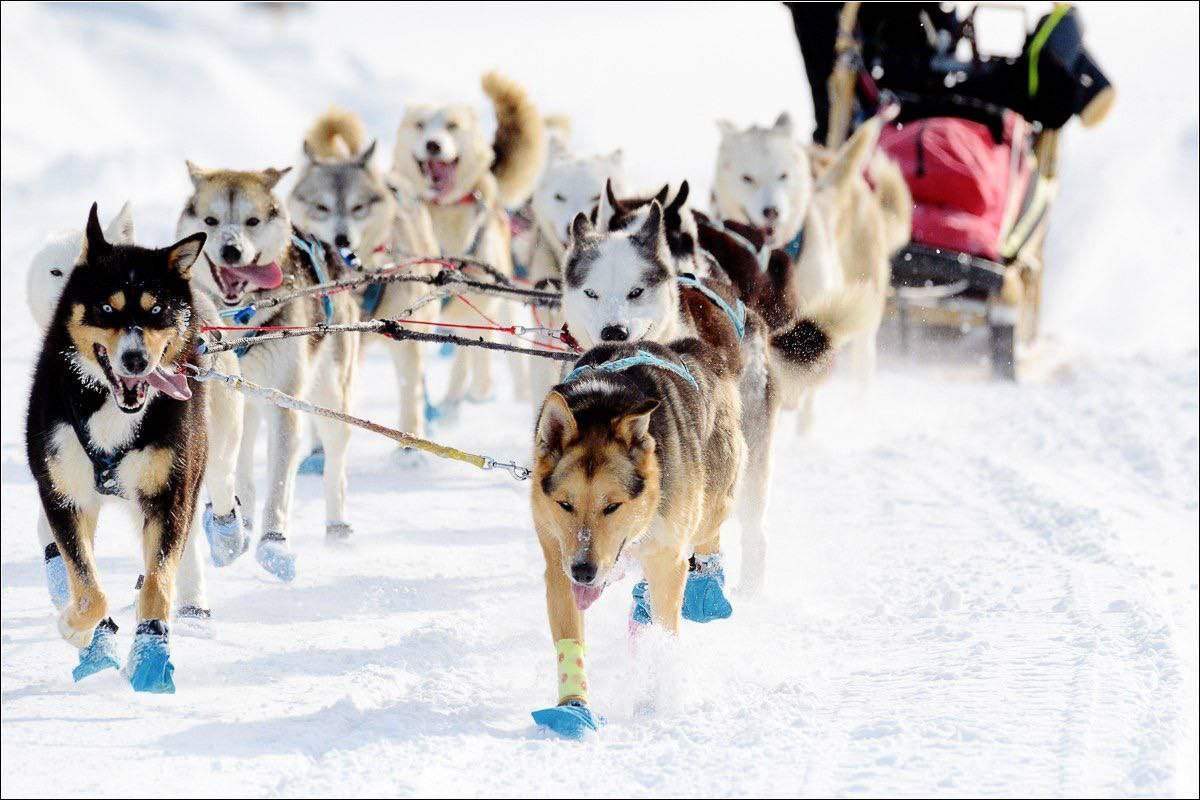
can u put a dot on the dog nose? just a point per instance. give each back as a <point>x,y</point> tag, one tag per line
<point>432,147</point>
<point>341,240</point>
<point>770,213</point>
<point>231,254</point>
<point>614,333</point>
<point>134,362</point>
<point>584,572</point>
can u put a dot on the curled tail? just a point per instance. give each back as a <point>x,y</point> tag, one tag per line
<point>520,143</point>
<point>895,200</point>
<point>805,349</point>
<point>337,134</point>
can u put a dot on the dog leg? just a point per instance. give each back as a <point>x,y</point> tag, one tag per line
<point>222,519</point>
<point>335,438</point>
<point>56,568</point>
<point>481,375</point>
<point>164,536</point>
<point>753,495</point>
<point>252,417</point>
<point>459,373</point>
<point>283,458</point>
<point>666,574</point>
<point>74,532</point>
<point>863,356</point>
<point>192,612</point>
<point>571,717</point>
<point>806,411</point>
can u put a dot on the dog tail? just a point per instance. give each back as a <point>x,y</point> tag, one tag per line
<point>805,349</point>
<point>851,158</point>
<point>520,144</point>
<point>895,200</point>
<point>337,134</point>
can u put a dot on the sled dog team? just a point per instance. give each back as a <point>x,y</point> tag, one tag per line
<point>695,328</point>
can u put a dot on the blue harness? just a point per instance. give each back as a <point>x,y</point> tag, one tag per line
<point>794,247</point>
<point>371,298</point>
<point>641,358</point>
<point>316,256</point>
<point>736,313</point>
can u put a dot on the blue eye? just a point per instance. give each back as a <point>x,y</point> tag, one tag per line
<point>635,294</point>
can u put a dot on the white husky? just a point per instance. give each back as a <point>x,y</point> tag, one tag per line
<point>818,206</point>
<point>570,185</point>
<point>49,270</point>
<point>466,184</point>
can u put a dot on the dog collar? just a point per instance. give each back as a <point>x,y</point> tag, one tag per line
<point>793,247</point>
<point>316,256</point>
<point>736,313</point>
<point>641,358</point>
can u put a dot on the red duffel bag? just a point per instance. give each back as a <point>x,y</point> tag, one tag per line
<point>960,180</point>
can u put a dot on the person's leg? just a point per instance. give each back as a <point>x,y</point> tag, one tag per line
<point>816,27</point>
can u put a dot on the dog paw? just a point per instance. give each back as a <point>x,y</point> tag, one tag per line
<point>100,654</point>
<point>572,720</point>
<point>313,463</point>
<point>704,597</point>
<point>226,538</point>
<point>274,556</point>
<point>409,458</point>
<point>640,613</point>
<point>338,533</point>
<point>195,622</point>
<point>149,668</point>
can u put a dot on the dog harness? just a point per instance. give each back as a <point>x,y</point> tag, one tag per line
<point>736,313</point>
<point>104,464</point>
<point>641,358</point>
<point>794,247</point>
<point>316,256</point>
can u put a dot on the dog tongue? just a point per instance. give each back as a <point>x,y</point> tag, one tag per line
<point>442,173</point>
<point>172,384</point>
<point>585,595</point>
<point>259,276</point>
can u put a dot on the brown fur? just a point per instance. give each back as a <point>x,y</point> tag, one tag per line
<point>520,143</point>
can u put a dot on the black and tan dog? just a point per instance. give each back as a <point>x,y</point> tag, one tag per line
<point>111,415</point>
<point>637,452</point>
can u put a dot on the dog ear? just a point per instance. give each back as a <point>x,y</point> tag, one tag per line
<point>783,122</point>
<point>680,198</point>
<point>271,176</point>
<point>93,239</point>
<point>581,227</point>
<point>365,158</point>
<point>726,127</point>
<point>197,173</point>
<point>183,254</point>
<point>663,194</point>
<point>120,230</point>
<point>309,154</point>
<point>556,425</point>
<point>633,426</point>
<point>608,205</point>
<point>650,236</point>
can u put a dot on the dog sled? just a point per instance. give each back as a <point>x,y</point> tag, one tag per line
<point>979,149</point>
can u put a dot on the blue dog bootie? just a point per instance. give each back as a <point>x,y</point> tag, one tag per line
<point>149,668</point>
<point>571,720</point>
<point>274,556</point>
<point>101,654</point>
<point>640,613</point>
<point>704,597</point>
<point>226,538</point>
<point>313,463</point>
<point>56,577</point>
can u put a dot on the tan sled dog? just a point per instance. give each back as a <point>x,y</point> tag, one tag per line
<point>466,184</point>
<point>638,451</point>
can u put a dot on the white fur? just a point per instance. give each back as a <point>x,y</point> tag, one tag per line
<point>59,254</point>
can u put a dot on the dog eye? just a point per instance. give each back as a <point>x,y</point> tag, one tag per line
<point>783,176</point>
<point>210,222</point>
<point>560,197</point>
<point>591,294</point>
<point>156,310</point>
<point>420,125</point>
<point>567,507</point>
<point>635,294</point>
<point>611,508</point>
<point>106,308</point>
<point>748,179</point>
<point>451,125</point>
<point>250,223</point>
<point>56,272</point>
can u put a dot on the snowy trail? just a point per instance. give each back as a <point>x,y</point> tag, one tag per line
<point>973,588</point>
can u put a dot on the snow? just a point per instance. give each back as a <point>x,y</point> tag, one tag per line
<point>975,588</point>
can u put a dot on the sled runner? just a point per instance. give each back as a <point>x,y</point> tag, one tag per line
<point>982,174</point>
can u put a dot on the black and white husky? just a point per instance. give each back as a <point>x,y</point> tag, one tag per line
<point>111,415</point>
<point>638,276</point>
